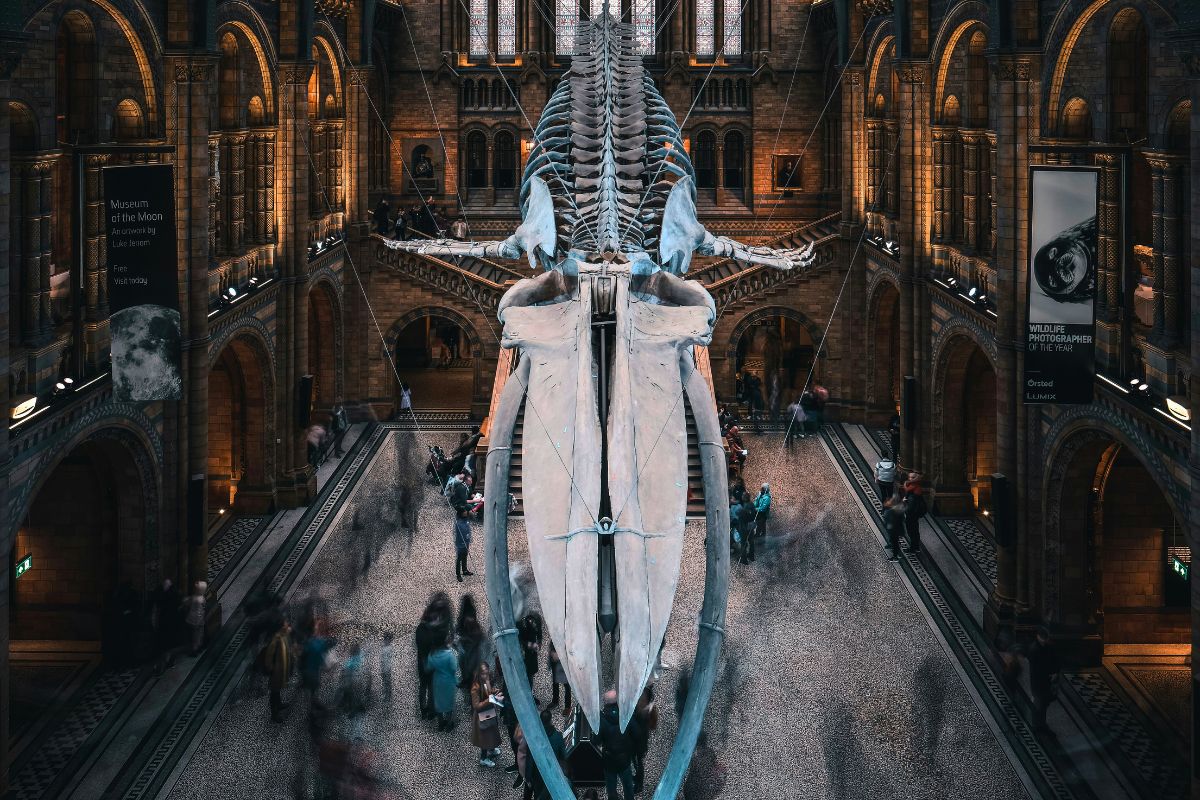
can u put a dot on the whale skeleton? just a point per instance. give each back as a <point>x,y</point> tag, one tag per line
<point>605,338</point>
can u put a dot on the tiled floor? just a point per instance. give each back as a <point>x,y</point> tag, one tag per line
<point>833,684</point>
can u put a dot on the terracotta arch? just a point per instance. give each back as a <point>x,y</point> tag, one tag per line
<point>963,425</point>
<point>1105,512</point>
<point>947,42</point>
<point>480,381</point>
<point>324,346</point>
<point>752,318</point>
<point>240,427</point>
<point>883,347</point>
<point>90,526</point>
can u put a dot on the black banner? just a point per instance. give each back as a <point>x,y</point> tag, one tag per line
<point>143,278</point>
<point>1060,299</point>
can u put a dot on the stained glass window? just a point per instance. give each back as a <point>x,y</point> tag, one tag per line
<point>479,28</point>
<point>733,27</point>
<point>506,27</point>
<point>706,28</point>
<point>643,26</point>
<point>566,22</point>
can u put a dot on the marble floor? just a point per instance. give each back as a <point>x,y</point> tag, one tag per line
<point>834,684</point>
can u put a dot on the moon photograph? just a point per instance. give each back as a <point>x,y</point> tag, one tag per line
<point>145,353</point>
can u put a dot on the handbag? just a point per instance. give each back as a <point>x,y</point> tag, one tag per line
<point>488,719</point>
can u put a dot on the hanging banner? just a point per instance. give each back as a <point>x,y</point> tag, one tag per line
<point>1060,299</point>
<point>143,290</point>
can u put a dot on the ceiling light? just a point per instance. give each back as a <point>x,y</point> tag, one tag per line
<point>1178,410</point>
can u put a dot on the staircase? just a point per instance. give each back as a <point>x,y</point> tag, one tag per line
<point>695,475</point>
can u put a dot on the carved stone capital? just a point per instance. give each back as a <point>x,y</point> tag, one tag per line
<point>1009,69</point>
<point>915,73</point>
<point>195,70</point>
<point>295,73</point>
<point>1167,162</point>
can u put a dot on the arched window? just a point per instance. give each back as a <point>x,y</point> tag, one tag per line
<point>643,26</point>
<point>977,82</point>
<point>22,127</point>
<point>706,28</point>
<point>1179,127</point>
<point>733,27</point>
<point>1077,119</point>
<point>951,111</point>
<point>476,160</point>
<point>479,28</point>
<point>254,110</point>
<point>468,90</point>
<point>566,24</point>
<point>127,122</point>
<point>506,28</point>
<point>505,159</point>
<point>735,160</point>
<point>1127,78</point>
<point>75,70</point>
<point>228,83</point>
<point>704,160</point>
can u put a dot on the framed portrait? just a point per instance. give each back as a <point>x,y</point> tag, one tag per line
<point>787,172</point>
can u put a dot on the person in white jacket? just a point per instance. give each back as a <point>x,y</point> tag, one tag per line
<point>885,478</point>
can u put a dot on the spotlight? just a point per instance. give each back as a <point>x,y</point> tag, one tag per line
<point>982,298</point>
<point>70,384</point>
<point>222,511</point>
<point>60,390</point>
<point>971,292</point>
<point>987,513</point>
<point>23,406</point>
<point>1133,383</point>
<point>253,282</point>
<point>1178,410</point>
<point>1144,388</point>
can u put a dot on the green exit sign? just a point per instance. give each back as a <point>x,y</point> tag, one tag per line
<point>1181,569</point>
<point>24,565</point>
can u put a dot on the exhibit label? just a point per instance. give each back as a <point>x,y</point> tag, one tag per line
<point>1060,308</point>
<point>143,282</point>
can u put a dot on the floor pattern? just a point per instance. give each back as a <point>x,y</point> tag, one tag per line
<point>229,542</point>
<point>833,684</point>
<point>46,762</point>
<point>1163,775</point>
<point>974,541</point>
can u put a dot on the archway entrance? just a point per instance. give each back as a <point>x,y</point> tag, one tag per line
<point>780,351</point>
<point>237,436</point>
<point>1126,565</point>
<point>966,428</point>
<point>434,356</point>
<point>322,352</point>
<point>884,357</point>
<point>79,596</point>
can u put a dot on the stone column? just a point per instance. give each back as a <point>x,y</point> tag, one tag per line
<point>678,42</point>
<point>296,481</point>
<point>1167,284</point>
<point>1108,266</point>
<point>941,184</point>
<point>874,170</point>
<point>8,62</point>
<point>189,101</point>
<point>32,190</point>
<point>854,142</point>
<point>1013,95</point>
<point>970,189</point>
<point>906,198</point>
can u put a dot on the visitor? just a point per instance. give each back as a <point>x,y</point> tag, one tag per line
<point>917,508</point>
<point>808,402</point>
<point>382,216</point>
<point>558,677</point>
<point>754,397</point>
<point>432,630</point>
<point>536,783</point>
<point>485,719</point>
<point>885,478</point>
<point>617,748</point>
<point>462,542</point>
<point>194,614</point>
<point>530,632</point>
<point>646,715</point>
<point>401,230</point>
<point>466,449</point>
<point>354,691</point>
<point>276,661</point>
<point>797,421</point>
<point>706,774</point>
<point>893,522</point>
<point>164,621</point>
<point>1043,676</point>
<point>469,640</point>
<point>762,509</point>
<point>312,662</point>
<point>340,425</point>
<point>405,398</point>
<point>458,229</point>
<point>442,666</point>
<point>746,519</point>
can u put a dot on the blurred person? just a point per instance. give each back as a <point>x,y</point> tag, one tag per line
<point>431,631</point>
<point>277,664</point>
<point>442,666</point>
<point>340,424</point>
<point>893,524</point>
<point>164,621</point>
<point>646,714</point>
<point>530,632</point>
<point>469,640</point>
<point>355,690</point>
<point>1044,667</point>
<point>382,216</point>
<point>387,653</point>
<point>797,421</point>
<point>312,662</point>
<point>462,541</point>
<point>916,508</point>
<point>194,614</point>
<point>558,677</point>
<point>706,774</point>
